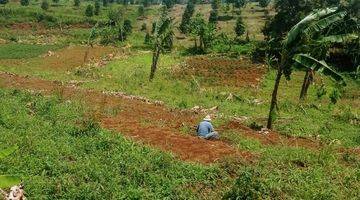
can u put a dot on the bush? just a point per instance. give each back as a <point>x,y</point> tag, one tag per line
<point>141,10</point>
<point>334,96</point>
<point>4,2</point>
<point>45,5</point>
<point>77,3</point>
<point>147,39</point>
<point>97,7</point>
<point>127,27</point>
<point>89,12</point>
<point>239,27</point>
<point>24,2</point>
<point>143,27</point>
<point>56,1</point>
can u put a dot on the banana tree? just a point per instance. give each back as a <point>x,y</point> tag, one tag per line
<point>300,39</point>
<point>162,41</point>
<point>8,180</point>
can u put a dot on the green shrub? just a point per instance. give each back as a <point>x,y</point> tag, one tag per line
<point>45,5</point>
<point>97,7</point>
<point>77,3</point>
<point>89,12</point>
<point>24,2</point>
<point>4,2</point>
<point>334,96</point>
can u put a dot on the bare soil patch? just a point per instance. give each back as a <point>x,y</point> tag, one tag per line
<point>63,60</point>
<point>223,71</point>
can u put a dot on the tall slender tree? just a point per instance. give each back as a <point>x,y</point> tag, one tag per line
<point>162,40</point>
<point>186,18</point>
<point>293,48</point>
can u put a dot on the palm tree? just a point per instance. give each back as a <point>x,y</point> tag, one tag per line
<point>299,46</point>
<point>162,41</point>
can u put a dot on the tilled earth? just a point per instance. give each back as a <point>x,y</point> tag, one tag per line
<point>153,124</point>
<point>223,71</point>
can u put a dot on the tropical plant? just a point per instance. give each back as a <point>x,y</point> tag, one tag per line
<point>264,3</point>
<point>202,32</point>
<point>143,27</point>
<point>76,3</point>
<point>239,27</point>
<point>186,17</point>
<point>215,4</point>
<point>97,7</point>
<point>297,48</point>
<point>24,2</point>
<point>8,180</point>
<point>44,5</point>
<point>89,12</point>
<point>168,3</point>
<point>162,40</point>
<point>141,10</point>
<point>105,3</point>
<point>4,2</point>
<point>213,16</point>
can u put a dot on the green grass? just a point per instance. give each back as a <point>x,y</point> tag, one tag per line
<point>19,51</point>
<point>64,154</point>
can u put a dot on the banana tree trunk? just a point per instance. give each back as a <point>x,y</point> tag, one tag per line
<point>155,59</point>
<point>273,103</point>
<point>305,86</point>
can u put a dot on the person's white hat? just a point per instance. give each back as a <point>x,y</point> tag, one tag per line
<point>207,118</point>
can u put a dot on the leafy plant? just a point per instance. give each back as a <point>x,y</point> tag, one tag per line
<point>162,40</point>
<point>8,180</point>
<point>297,44</point>
<point>89,12</point>
<point>77,3</point>
<point>24,2</point>
<point>186,17</point>
<point>45,5</point>
<point>239,27</point>
<point>97,7</point>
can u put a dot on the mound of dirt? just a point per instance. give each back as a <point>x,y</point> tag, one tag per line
<point>223,71</point>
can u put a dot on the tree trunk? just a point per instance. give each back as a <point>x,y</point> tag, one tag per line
<point>273,103</point>
<point>305,86</point>
<point>155,59</point>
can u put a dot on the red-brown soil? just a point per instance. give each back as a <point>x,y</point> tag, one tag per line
<point>63,60</point>
<point>162,130</point>
<point>223,71</point>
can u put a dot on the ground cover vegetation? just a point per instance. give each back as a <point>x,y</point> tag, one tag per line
<point>227,55</point>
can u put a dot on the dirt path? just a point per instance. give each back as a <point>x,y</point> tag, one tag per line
<point>147,123</point>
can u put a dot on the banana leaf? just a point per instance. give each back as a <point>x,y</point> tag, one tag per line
<point>7,181</point>
<point>299,27</point>
<point>342,38</point>
<point>320,66</point>
<point>324,23</point>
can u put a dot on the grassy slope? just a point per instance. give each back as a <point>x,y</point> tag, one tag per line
<point>94,163</point>
<point>64,155</point>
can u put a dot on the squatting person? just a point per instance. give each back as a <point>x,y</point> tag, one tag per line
<point>206,130</point>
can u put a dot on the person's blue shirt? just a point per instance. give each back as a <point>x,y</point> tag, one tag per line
<point>204,128</point>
